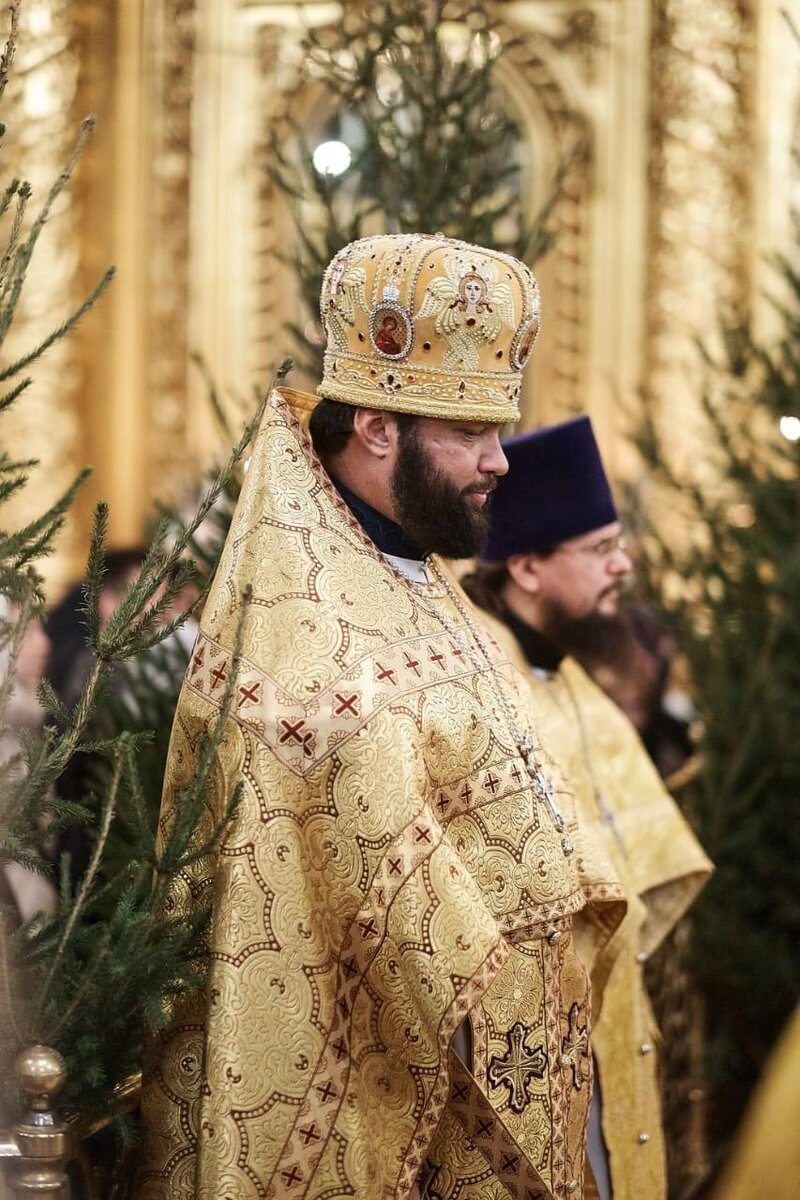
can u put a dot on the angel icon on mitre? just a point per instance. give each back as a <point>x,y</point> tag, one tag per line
<point>342,296</point>
<point>470,308</point>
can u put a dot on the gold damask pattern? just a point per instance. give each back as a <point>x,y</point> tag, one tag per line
<point>381,842</point>
<point>623,808</point>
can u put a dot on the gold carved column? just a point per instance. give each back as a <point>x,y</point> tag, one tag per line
<point>680,116</point>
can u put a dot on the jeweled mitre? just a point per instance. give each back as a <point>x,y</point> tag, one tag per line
<point>424,324</point>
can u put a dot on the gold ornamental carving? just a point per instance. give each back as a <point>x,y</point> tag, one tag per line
<point>702,134</point>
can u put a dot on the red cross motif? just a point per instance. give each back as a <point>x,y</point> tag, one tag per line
<point>491,783</point>
<point>443,803</point>
<point>394,866</point>
<point>421,834</point>
<point>516,774</point>
<point>466,793</point>
<point>249,695</point>
<point>484,1128</point>
<point>327,1091</point>
<point>350,967</point>
<point>218,675</point>
<point>292,733</point>
<point>436,658</point>
<point>385,673</point>
<point>198,660</point>
<point>292,1176</point>
<point>456,652</point>
<point>411,663</point>
<point>460,1093</point>
<point>347,704</point>
<point>309,1134</point>
<point>509,1162</point>
<point>339,1049</point>
<point>368,928</point>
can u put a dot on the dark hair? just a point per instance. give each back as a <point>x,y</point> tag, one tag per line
<point>121,563</point>
<point>484,586</point>
<point>331,426</point>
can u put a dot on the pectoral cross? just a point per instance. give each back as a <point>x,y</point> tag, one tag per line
<point>544,788</point>
<point>517,1067</point>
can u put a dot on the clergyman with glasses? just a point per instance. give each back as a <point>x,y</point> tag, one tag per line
<point>552,573</point>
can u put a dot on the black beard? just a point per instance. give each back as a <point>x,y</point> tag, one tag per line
<point>593,639</point>
<point>430,509</point>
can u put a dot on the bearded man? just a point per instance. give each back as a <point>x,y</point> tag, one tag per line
<point>394,1003</point>
<point>555,563</point>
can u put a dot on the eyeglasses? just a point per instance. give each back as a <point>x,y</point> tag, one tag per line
<point>602,549</point>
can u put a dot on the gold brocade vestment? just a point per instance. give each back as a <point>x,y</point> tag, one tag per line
<point>624,807</point>
<point>388,872</point>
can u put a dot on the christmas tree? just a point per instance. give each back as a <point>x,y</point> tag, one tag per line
<point>420,140</point>
<point>85,978</point>
<point>731,585</point>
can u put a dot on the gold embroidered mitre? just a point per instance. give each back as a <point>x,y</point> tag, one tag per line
<point>424,324</point>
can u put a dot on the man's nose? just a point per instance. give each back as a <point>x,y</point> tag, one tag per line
<point>493,460</point>
<point>620,562</point>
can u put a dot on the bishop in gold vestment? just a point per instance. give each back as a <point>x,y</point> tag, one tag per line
<point>558,566</point>
<point>394,1001</point>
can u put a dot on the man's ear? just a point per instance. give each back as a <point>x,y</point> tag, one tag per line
<point>524,570</point>
<point>375,430</point>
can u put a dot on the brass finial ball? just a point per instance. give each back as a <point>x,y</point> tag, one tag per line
<point>41,1073</point>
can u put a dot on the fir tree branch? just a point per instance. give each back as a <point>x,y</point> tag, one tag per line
<point>62,330</point>
<point>6,971</point>
<point>14,393</point>
<point>11,637</point>
<point>117,640</point>
<point>23,545</point>
<point>87,882</point>
<point>24,254</point>
<point>95,570</point>
<point>22,191</point>
<point>10,48</point>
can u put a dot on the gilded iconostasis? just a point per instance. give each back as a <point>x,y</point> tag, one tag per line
<point>678,121</point>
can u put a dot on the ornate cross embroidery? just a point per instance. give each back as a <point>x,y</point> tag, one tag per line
<point>347,704</point>
<point>249,695</point>
<point>218,675</point>
<point>575,1048</point>
<point>516,1068</point>
<point>436,657</point>
<point>292,731</point>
